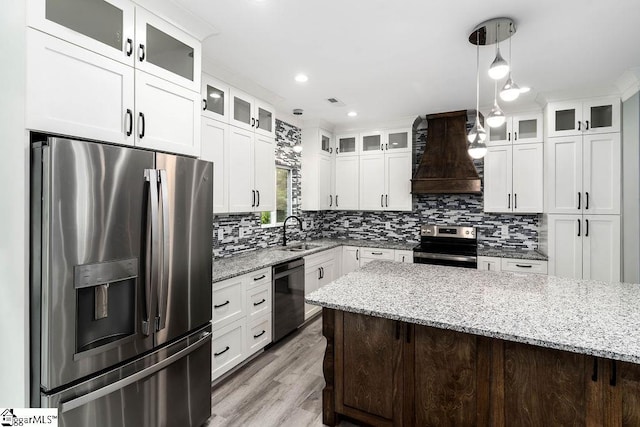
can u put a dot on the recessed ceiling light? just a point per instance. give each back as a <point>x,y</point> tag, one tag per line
<point>301,78</point>
<point>524,89</point>
<point>352,114</point>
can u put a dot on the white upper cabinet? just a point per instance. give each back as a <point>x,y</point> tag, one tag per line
<point>397,140</point>
<point>214,148</point>
<point>72,91</point>
<point>265,173</point>
<point>167,116</point>
<point>372,182</point>
<point>347,144</point>
<point>513,178</point>
<point>600,115</point>
<point>584,174</point>
<point>371,143</point>
<point>317,163</point>
<point>102,26</point>
<point>517,129</point>
<point>166,51</point>
<point>215,99</point>
<point>346,182</point>
<point>250,113</point>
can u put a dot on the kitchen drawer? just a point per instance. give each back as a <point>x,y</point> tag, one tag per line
<point>318,258</point>
<point>228,348</point>
<point>258,334</point>
<point>258,278</point>
<point>228,301</point>
<point>258,301</point>
<point>490,263</point>
<point>372,254</point>
<point>403,256</point>
<point>524,266</point>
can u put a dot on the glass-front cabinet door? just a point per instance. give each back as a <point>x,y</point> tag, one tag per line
<point>397,140</point>
<point>601,115</point>
<point>241,109</point>
<point>346,144</point>
<point>371,143</point>
<point>265,122</point>
<point>526,128</point>
<point>102,26</point>
<point>326,142</point>
<point>215,99</point>
<point>166,51</point>
<point>499,135</point>
<point>564,118</point>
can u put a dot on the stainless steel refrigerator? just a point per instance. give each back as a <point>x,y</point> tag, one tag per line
<point>120,285</point>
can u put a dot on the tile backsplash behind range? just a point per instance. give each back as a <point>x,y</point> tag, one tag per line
<point>501,230</point>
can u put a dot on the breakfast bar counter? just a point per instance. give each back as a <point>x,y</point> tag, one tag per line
<point>416,344</point>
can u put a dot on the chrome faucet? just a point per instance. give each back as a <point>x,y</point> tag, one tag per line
<point>284,228</point>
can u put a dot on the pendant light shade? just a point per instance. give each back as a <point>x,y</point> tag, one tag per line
<point>477,131</point>
<point>510,91</point>
<point>477,149</point>
<point>499,67</point>
<point>496,117</point>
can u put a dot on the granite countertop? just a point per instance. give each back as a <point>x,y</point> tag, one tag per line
<point>512,253</point>
<point>225,268</point>
<point>588,317</point>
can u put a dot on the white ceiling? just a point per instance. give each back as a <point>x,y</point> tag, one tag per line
<point>399,58</point>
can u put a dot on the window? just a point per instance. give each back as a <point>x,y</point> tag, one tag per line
<point>283,199</point>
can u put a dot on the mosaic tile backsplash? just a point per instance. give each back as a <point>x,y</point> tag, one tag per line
<point>494,230</point>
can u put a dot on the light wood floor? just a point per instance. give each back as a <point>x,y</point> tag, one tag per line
<point>281,387</point>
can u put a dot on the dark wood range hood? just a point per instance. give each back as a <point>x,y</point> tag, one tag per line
<point>446,166</point>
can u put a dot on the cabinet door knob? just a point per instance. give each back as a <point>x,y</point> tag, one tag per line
<point>129,47</point>
<point>336,200</point>
<point>586,228</point>
<point>204,105</point>
<point>386,200</point>
<point>258,202</point>
<point>257,123</point>
<point>515,201</point>
<point>253,122</point>
<point>509,201</point>
<point>515,136</point>
<point>382,200</point>
<point>578,228</point>
<point>586,202</point>
<point>330,200</point>
<point>587,125</point>
<point>579,125</point>
<point>253,202</point>
<point>579,200</point>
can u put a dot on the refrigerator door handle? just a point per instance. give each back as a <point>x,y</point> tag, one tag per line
<point>117,385</point>
<point>163,267</point>
<point>152,241</point>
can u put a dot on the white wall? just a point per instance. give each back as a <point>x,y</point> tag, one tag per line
<point>14,212</point>
<point>631,189</point>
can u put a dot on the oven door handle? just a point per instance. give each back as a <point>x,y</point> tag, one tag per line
<point>447,257</point>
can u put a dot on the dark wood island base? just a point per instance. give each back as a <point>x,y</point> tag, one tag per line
<point>383,372</point>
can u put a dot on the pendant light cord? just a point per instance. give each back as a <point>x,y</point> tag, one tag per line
<point>477,77</point>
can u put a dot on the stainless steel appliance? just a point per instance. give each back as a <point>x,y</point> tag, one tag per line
<point>288,297</point>
<point>120,285</point>
<point>447,245</point>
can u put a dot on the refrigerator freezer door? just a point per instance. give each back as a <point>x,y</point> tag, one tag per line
<point>87,257</point>
<point>163,389</point>
<point>186,202</point>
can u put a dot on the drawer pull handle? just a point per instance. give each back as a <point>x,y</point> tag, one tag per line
<point>221,305</point>
<point>376,253</point>
<point>222,352</point>
<point>260,334</point>
<point>524,265</point>
<point>255,279</point>
<point>258,303</point>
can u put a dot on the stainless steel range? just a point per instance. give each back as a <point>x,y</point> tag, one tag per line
<point>447,245</point>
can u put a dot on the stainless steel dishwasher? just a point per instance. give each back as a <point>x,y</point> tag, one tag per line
<point>288,297</point>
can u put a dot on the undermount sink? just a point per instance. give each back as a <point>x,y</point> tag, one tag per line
<point>299,247</point>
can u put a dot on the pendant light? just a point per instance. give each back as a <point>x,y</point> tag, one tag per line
<point>477,135</point>
<point>510,91</point>
<point>496,117</point>
<point>499,67</point>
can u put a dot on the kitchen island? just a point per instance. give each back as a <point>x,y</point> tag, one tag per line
<point>415,344</point>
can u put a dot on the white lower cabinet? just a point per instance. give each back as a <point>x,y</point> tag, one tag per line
<point>318,271</point>
<point>228,348</point>
<point>354,257</point>
<point>241,311</point>
<point>489,263</point>
<point>585,246</point>
<point>350,259</point>
<point>258,334</point>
